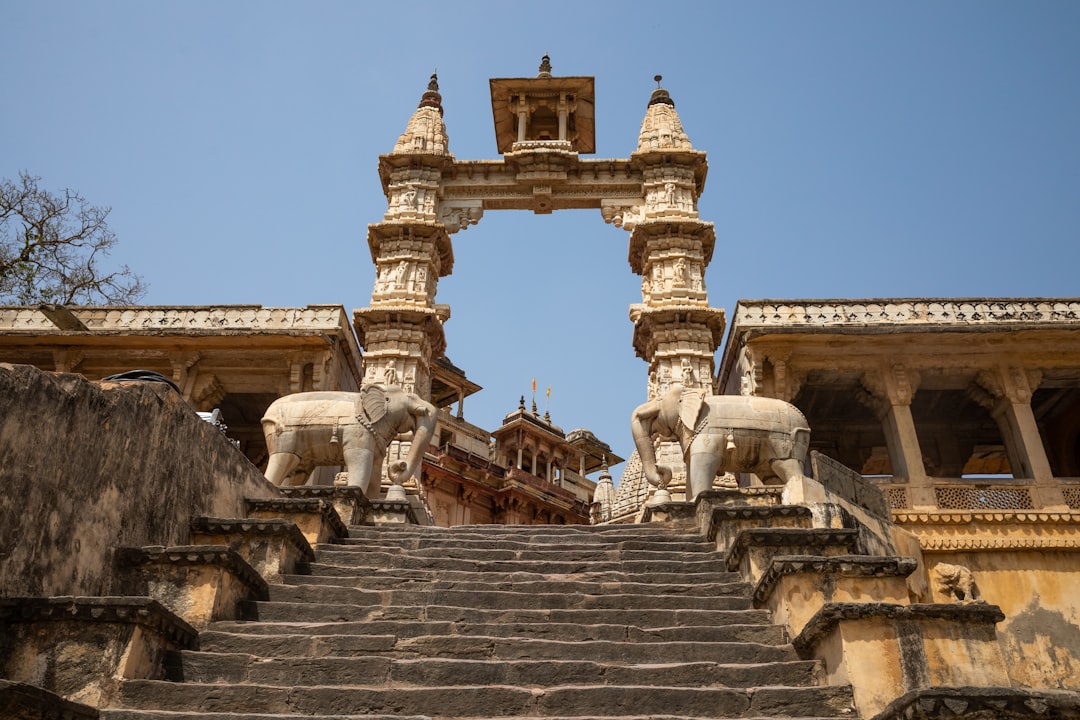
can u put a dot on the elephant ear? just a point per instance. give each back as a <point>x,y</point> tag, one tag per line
<point>372,403</point>
<point>690,402</point>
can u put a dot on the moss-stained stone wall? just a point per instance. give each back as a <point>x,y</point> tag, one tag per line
<point>87,467</point>
<point>1039,592</point>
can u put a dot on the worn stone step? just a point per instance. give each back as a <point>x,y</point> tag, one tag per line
<point>737,597</point>
<point>421,574</point>
<point>490,700</point>
<point>130,714</point>
<point>598,554</point>
<point>341,554</point>
<point>756,629</point>
<point>338,612</point>
<point>480,647</point>
<point>210,667</point>
<point>607,533</point>
<point>479,584</point>
<point>587,543</point>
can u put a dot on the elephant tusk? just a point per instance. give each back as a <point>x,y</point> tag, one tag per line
<point>334,435</point>
<point>730,442</point>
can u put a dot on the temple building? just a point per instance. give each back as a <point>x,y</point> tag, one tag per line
<point>915,552</point>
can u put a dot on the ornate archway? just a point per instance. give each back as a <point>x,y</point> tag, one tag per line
<point>543,126</point>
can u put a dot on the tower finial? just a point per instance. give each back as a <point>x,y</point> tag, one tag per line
<point>432,98</point>
<point>545,67</point>
<point>660,95</point>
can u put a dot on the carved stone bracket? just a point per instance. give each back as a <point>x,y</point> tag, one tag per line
<point>895,384</point>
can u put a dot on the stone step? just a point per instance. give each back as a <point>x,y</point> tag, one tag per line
<point>130,714</point>
<point>420,574</point>
<point>736,598</point>
<point>549,554</point>
<point>338,612</point>
<point>489,701</point>
<point>343,555</point>
<point>587,543</point>
<point>209,667</point>
<point>480,583</point>
<point>756,629</point>
<point>517,532</point>
<point>480,647</point>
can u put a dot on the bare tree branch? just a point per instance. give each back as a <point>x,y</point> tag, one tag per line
<point>51,246</point>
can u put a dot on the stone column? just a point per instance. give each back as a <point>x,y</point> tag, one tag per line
<point>1007,396</point>
<point>891,390</point>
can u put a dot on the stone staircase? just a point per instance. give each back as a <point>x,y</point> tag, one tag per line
<point>492,621</point>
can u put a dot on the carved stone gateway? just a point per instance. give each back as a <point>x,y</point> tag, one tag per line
<point>543,126</point>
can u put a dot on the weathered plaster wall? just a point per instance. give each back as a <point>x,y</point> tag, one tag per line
<point>88,467</point>
<point>1039,592</point>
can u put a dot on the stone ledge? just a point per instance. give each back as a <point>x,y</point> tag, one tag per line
<point>832,614</point>
<point>754,538</point>
<point>756,513</point>
<point>272,546</point>
<point>83,648</point>
<point>682,514</point>
<point>853,566</point>
<point>351,503</point>
<point>316,517</point>
<point>143,611</point>
<point>956,517</point>
<point>19,701</point>
<point>200,583</point>
<point>397,512</point>
<point>195,555</point>
<point>982,703</point>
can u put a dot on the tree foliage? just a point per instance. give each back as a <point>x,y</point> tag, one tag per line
<point>52,246</point>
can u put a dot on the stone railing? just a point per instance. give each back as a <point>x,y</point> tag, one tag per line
<point>184,318</point>
<point>922,312</point>
<point>974,494</point>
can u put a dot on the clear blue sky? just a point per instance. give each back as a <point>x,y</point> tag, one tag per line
<point>855,149</point>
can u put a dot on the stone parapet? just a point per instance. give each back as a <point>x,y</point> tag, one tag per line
<point>82,648</point>
<point>391,512</point>
<point>316,517</point>
<point>897,315</point>
<point>19,701</point>
<point>884,650</point>
<point>726,522</point>
<point>273,547</point>
<point>676,514</point>
<point>350,502</point>
<point>795,587</point>
<point>982,703</point>
<point>183,318</point>
<point>200,583</point>
<point>754,548</point>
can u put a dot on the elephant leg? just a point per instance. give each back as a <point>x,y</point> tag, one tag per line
<point>374,489</point>
<point>280,465</point>
<point>787,468</point>
<point>358,463</point>
<point>700,474</point>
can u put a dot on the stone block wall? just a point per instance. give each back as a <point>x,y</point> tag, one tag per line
<point>88,467</point>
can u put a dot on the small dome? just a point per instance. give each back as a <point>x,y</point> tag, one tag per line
<point>426,131</point>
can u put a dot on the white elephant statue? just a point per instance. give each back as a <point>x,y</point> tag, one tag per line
<point>721,433</point>
<point>309,429</point>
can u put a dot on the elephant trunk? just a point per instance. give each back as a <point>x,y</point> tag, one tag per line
<point>657,475</point>
<point>400,472</point>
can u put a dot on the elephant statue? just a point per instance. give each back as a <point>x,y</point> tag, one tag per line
<point>309,429</point>
<point>721,433</point>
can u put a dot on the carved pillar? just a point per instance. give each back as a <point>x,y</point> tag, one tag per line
<point>1007,396</point>
<point>891,390</point>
